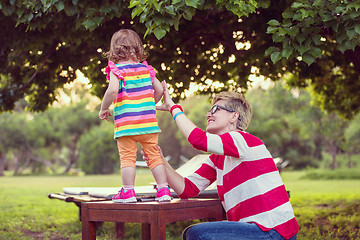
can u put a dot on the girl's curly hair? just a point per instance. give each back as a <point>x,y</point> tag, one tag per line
<point>126,45</point>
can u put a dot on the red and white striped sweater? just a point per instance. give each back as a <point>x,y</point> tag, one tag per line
<point>248,181</point>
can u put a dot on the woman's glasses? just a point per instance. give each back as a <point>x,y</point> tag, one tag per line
<point>216,108</point>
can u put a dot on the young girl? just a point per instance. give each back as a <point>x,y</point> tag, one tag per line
<point>135,90</point>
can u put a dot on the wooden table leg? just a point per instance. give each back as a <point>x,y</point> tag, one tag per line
<point>88,228</point>
<point>153,231</point>
<point>145,231</point>
<point>158,231</point>
<point>119,230</point>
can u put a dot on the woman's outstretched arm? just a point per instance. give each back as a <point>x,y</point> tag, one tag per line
<point>175,180</point>
<point>185,125</point>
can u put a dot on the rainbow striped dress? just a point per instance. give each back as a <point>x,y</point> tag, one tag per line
<point>135,112</point>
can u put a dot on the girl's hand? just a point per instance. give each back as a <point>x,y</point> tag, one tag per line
<point>105,114</point>
<point>168,102</point>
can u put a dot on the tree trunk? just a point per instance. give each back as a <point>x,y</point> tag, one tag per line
<point>351,163</point>
<point>74,155</point>
<point>43,161</point>
<point>334,163</point>
<point>2,164</point>
<point>333,150</point>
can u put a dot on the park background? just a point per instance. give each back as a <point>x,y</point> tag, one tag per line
<point>296,61</point>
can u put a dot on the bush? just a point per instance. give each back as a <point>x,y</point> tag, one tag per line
<point>332,174</point>
<point>98,151</point>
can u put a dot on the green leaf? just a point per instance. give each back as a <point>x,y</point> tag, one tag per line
<point>158,20</point>
<point>286,52</point>
<point>271,29</point>
<point>350,33</point>
<point>187,15</point>
<point>88,24</point>
<point>301,38</point>
<point>340,9</point>
<point>318,3</point>
<point>136,12</point>
<point>71,10</point>
<point>134,3</point>
<point>177,22</point>
<point>275,57</point>
<point>176,2</point>
<point>8,10</point>
<point>274,22</point>
<point>159,33</point>
<point>326,16</point>
<point>340,37</point>
<point>297,16</point>
<point>270,50</point>
<point>143,17</point>
<point>293,31</point>
<point>98,20</point>
<point>316,52</point>
<point>308,58</point>
<point>287,13</point>
<point>105,9</point>
<point>342,48</point>
<point>302,49</point>
<point>282,32</point>
<point>20,12</point>
<point>59,6</point>
<point>170,9</point>
<point>316,38</point>
<point>157,6</point>
<point>277,38</point>
<point>192,3</point>
<point>357,28</point>
<point>297,5</point>
<point>304,13</point>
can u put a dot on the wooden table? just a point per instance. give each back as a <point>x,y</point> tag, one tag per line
<point>153,215</point>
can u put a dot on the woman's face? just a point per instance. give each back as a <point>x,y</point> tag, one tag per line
<point>221,120</point>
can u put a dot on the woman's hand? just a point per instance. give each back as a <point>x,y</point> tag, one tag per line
<point>168,102</point>
<point>146,158</point>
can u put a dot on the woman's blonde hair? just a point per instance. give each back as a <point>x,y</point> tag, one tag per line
<point>126,45</point>
<point>236,101</point>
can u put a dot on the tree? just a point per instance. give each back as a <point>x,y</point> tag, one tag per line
<point>98,152</point>
<point>352,137</point>
<point>28,140</point>
<point>280,120</point>
<point>302,31</point>
<point>193,41</point>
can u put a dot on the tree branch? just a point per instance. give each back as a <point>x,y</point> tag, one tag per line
<point>42,63</point>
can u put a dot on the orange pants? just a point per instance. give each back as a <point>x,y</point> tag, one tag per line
<point>127,149</point>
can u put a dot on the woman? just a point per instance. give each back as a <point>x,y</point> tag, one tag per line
<point>248,183</point>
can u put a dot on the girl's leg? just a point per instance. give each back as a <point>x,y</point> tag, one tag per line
<point>159,174</point>
<point>128,177</point>
<point>227,230</point>
<point>149,142</point>
<point>127,152</point>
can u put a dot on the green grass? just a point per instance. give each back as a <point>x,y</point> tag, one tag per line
<point>325,209</point>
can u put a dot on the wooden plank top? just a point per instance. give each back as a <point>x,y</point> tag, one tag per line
<point>153,205</point>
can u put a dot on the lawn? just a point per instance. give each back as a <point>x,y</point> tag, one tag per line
<point>325,209</point>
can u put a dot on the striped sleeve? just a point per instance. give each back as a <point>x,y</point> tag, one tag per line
<point>228,144</point>
<point>199,180</point>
